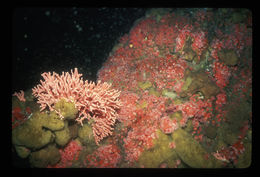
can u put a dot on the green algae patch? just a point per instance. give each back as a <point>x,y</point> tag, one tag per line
<point>44,157</point>
<point>22,151</point>
<point>145,85</point>
<point>168,94</point>
<point>67,109</point>
<point>62,137</point>
<point>152,91</point>
<point>161,152</point>
<point>177,115</point>
<point>85,135</point>
<point>189,127</point>
<point>187,83</point>
<point>178,101</point>
<point>51,121</point>
<point>191,152</point>
<point>37,131</point>
<point>31,134</point>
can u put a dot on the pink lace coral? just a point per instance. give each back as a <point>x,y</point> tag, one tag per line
<point>95,102</point>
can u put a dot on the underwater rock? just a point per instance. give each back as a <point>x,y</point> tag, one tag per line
<point>199,82</point>
<point>210,89</point>
<point>189,54</point>
<point>31,134</point>
<point>237,114</point>
<point>211,131</point>
<point>161,152</point>
<point>229,137</point>
<point>228,57</point>
<point>62,137</point>
<point>22,151</point>
<point>191,152</point>
<point>47,156</point>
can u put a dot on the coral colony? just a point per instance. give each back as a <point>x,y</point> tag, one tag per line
<point>173,83</point>
<point>93,101</point>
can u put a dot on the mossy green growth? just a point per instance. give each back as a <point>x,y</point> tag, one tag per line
<point>227,134</point>
<point>51,121</point>
<point>44,157</point>
<point>177,115</point>
<point>219,144</point>
<point>85,135</point>
<point>145,85</point>
<point>62,137</point>
<point>67,109</point>
<point>22,151</point>
<point>189,127</point>
<point>191,152</point>
<point>31,133</point>
<point>169,94</point>
<point>187,83</point>
<point>178,101</point>
<point>161,152</point>
<point>152,91</point>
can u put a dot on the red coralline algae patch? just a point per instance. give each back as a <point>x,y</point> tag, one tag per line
<point>128,115</point>
<point>221,74</point>
<point>138,140</point>
<point>69,155</point>
<point>167,125</point>
<point>200,42</point>
<point>20,116</point>
<point>182,36</point>
<point>150,63</point>
<point>107,156</point>
<point>231,153</point>
<point>199,110</point>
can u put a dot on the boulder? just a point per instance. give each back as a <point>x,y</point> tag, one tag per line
<point>191,152</point>
<point>228,57</point>
<point>161,152</point>
<point>199,82</point>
